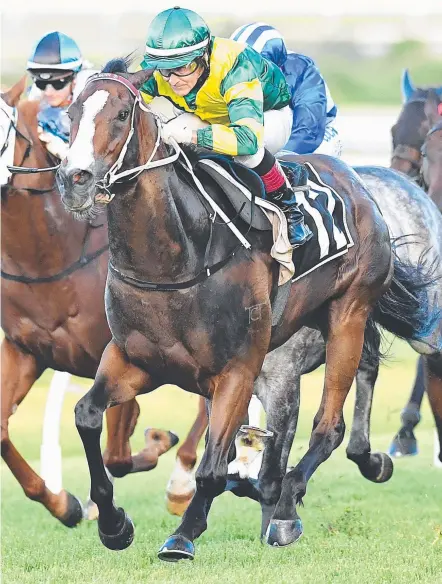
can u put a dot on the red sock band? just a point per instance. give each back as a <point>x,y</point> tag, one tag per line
<point>274,179</point>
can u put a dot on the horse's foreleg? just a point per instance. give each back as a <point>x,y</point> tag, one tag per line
<point>19,372</point>
<point>374,466</point>
<point>347,319</point>
<point>181,485</point>
<point>231,397</point>
<point>405,443</point>
<point>117,381</point>
<point>434,391</point>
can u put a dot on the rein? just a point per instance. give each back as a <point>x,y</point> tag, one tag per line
<point>22,169</point>
<point>112,176</point>
<point>82,262</point>
<point>84,259</point>
<point>436,128</point>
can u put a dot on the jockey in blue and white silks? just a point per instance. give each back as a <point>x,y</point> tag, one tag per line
<point>314,112</point>
<point>57,69</point>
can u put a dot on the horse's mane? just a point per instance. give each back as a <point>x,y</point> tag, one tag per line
<point>119,65</point>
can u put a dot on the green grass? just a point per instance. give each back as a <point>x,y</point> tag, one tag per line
<point>355,531</point>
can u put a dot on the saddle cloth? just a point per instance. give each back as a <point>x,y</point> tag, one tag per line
<point>323,207</point>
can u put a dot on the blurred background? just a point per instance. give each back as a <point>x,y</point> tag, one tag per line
<point>360,47</point>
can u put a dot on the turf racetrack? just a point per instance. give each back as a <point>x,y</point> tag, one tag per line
<point>355,531</point>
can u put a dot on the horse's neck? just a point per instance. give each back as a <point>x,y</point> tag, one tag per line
<point>160,229</point>
<point>37,233</point>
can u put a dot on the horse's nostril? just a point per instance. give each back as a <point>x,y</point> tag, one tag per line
<point>81,177</point>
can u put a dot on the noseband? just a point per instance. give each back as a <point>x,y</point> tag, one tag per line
<point>410,153</point>
<point>436,128</point>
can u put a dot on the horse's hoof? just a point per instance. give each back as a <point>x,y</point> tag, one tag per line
<point>176,548</point>
<point>74,513</point>
<point>379,469</point>
<point>177,504</point>
<point>402,446</point>
<point>122,539</point>
<point>283,532</point>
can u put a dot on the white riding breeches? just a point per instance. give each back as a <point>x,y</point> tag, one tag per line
<point>331,144</point>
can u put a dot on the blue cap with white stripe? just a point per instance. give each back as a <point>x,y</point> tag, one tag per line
<point>53,55</point>
<point>265,39</point>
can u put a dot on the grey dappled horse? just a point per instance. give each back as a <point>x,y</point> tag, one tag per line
<point>407,210</point>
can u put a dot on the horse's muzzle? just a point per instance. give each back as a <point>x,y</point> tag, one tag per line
<point>76,188</point>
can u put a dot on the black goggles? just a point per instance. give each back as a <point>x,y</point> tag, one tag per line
<point>184,71</point>
<point>57,84</point>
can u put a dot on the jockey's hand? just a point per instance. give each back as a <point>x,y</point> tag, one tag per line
<point>177,129</point>
<point>54,144</point>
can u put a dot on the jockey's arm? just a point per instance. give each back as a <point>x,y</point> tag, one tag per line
<point>149,90</point>
<point>309,105</point>
<point>245,133</point>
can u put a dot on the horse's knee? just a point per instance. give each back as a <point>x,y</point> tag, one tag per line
<point>88,416</point>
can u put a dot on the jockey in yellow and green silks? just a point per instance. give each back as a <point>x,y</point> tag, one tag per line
<point>233,101</point>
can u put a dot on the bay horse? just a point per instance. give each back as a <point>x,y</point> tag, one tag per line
<point>178,293</point>
<point>53,276</point>
<point>408,136</point>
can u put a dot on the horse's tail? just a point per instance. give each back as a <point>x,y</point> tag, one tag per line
<point>407,309</point>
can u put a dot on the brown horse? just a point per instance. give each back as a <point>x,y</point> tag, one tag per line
<point>409,132</point>
<point>408,136</point>
<point>180,289</point>
<point>431,170</point>
<point>53,276</point>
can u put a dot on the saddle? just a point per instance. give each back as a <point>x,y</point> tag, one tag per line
<point>242,186</point>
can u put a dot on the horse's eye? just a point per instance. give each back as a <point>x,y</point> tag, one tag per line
<point>122,116</point>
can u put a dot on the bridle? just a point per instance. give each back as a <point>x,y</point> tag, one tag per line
<point>112,176</point>
<point>409,153</point>
<point>84,258</point>
<point>436,128</point>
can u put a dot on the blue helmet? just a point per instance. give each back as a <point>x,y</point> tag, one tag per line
<point>54,55</point>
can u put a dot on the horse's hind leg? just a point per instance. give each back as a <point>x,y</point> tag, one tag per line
<point>181,485</point>
<point>434,391</point>
<point>405,443</point>
<point>279,392</point>
<point>347,319</point>
<point>19,372</point>
<point>117,381</point>
<point>231,397</point>
<point>374,466</point>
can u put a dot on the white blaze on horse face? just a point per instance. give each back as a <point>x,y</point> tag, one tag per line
<point>81,154</point>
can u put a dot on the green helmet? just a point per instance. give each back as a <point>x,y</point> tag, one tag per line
<point>175,38</point>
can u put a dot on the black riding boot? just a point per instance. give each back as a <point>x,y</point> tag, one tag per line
<point>299,233</point>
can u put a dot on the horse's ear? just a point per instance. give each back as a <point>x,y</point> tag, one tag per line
<point>433,108</point>
<point>12,96</point>
<point>141,77</point>
<point>407,87</point>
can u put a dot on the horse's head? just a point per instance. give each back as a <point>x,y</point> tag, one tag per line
<point>19,142</point>
<point>408,134</point>
<point>103,137</point>
<point>432,149</point>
